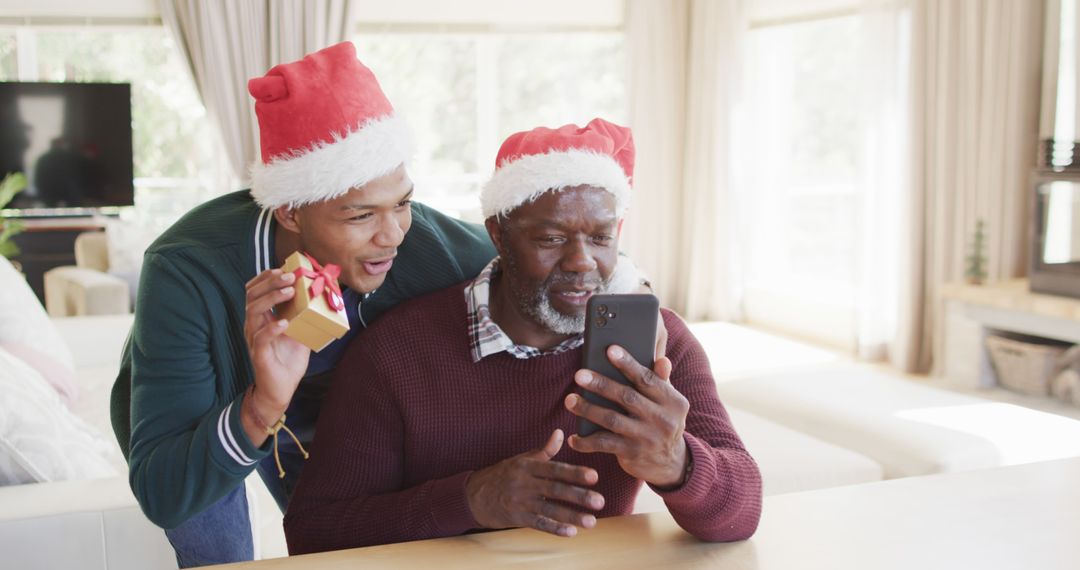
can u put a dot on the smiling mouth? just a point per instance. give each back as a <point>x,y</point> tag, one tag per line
<point>378,266</point>
<point>574,297</point>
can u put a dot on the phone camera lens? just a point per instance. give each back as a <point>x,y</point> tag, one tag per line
<point>601,309</point>
<point>601,322</point>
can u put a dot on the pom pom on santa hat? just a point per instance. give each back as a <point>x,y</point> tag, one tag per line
<point>325,127</point>
<point>530,163</point>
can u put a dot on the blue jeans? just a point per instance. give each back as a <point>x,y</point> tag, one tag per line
<point>222,533</point>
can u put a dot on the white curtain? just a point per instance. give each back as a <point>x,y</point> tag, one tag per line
<point>227,43</point>
<point>656,33</point>
<point>884,172</point>
<point>683,81</point>
<point>975,73</point>
<point>950,101</point>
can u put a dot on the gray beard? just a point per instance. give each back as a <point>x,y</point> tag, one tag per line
<point>555,321</point>
<point>539,309</point>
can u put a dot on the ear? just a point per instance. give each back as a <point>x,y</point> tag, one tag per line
<point>287,217</point>
<point>618,229</point>
<point>494,230</point>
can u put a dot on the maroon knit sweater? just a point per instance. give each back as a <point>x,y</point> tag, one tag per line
<point>409,417</point>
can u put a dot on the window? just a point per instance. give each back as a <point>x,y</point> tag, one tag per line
<point>1065,108</point>
<point>432,82</point>
<point>8,62</point>
<point>174,146</point>
<point>166,111</point>
<point>560,78</point>
<point>801,188</point>
<point>464,93</point>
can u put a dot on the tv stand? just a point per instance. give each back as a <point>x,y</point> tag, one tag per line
<point>973,311</point>
<point>49,243</point>
<point>49,215</point>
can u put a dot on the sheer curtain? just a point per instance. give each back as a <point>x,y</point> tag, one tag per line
<point>823,142</point>
<point>227,43</point>
<point>656,34</point>
<point>948,121</point>
<point>951,123</point>
<point>884,173</point>
<point>709,263</point>
<point>975,77</point>
<point>683,97</point>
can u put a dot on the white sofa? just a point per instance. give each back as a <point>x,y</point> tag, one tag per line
<point>93,523</point>
<point>907,428</point>
<point>97,523</point>
<point>90,524</point>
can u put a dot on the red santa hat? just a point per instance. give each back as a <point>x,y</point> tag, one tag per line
<point>325,127</point>
<point>531,163</point>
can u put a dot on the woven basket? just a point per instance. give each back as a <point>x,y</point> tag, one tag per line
<point>1026,366</point>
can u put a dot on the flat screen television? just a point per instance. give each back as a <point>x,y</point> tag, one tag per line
<point>1055,263</point>
<point>73,142</point>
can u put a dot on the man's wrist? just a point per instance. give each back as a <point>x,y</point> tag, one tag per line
<point>473,485</point>
<point>264,413</point>
<point>684,474</point>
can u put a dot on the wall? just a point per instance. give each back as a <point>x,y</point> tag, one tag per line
<point>79,9</point>
<point>504,12</point>
<point>602,13</point>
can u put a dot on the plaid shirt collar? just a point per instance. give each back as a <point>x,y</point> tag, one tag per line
<point>486,336</point>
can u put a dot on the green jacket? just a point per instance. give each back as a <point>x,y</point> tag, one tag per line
<point>176,401</point>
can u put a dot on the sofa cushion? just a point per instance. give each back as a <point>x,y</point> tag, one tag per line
<point>79,524</point>
<point>791,461</point>
<point>910,429</point>
<point>40,439</point>
<point>26,328</point>
<point>76,291</point>
<point>95,340</point>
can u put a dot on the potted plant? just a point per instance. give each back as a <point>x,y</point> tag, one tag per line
<point>10,227</point>
<point>975,268</point>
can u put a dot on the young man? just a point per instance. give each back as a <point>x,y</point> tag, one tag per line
<point>444,432</point>
<point>207,369</point>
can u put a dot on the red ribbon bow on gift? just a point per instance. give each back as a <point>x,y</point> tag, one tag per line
<point>323,282</point>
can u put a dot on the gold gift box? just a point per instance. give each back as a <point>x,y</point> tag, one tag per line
<point>312,321</point>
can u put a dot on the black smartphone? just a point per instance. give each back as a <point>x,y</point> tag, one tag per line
<point>626,320</point>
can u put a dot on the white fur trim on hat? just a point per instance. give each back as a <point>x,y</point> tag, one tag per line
<point>526,178</point>
<point>328,170</point>
<point>626,278</point>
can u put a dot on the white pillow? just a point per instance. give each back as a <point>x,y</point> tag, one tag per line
<point>23,320</point>
<point>40,440</point>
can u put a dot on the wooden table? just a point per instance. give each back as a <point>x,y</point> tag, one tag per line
<point>1025,516</point>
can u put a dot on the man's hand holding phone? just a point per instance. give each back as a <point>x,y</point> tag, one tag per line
<point>647,439</point>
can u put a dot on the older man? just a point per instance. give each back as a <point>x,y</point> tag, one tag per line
<point>445,431</point>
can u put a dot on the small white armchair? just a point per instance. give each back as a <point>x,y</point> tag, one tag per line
<point>86,288</point>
